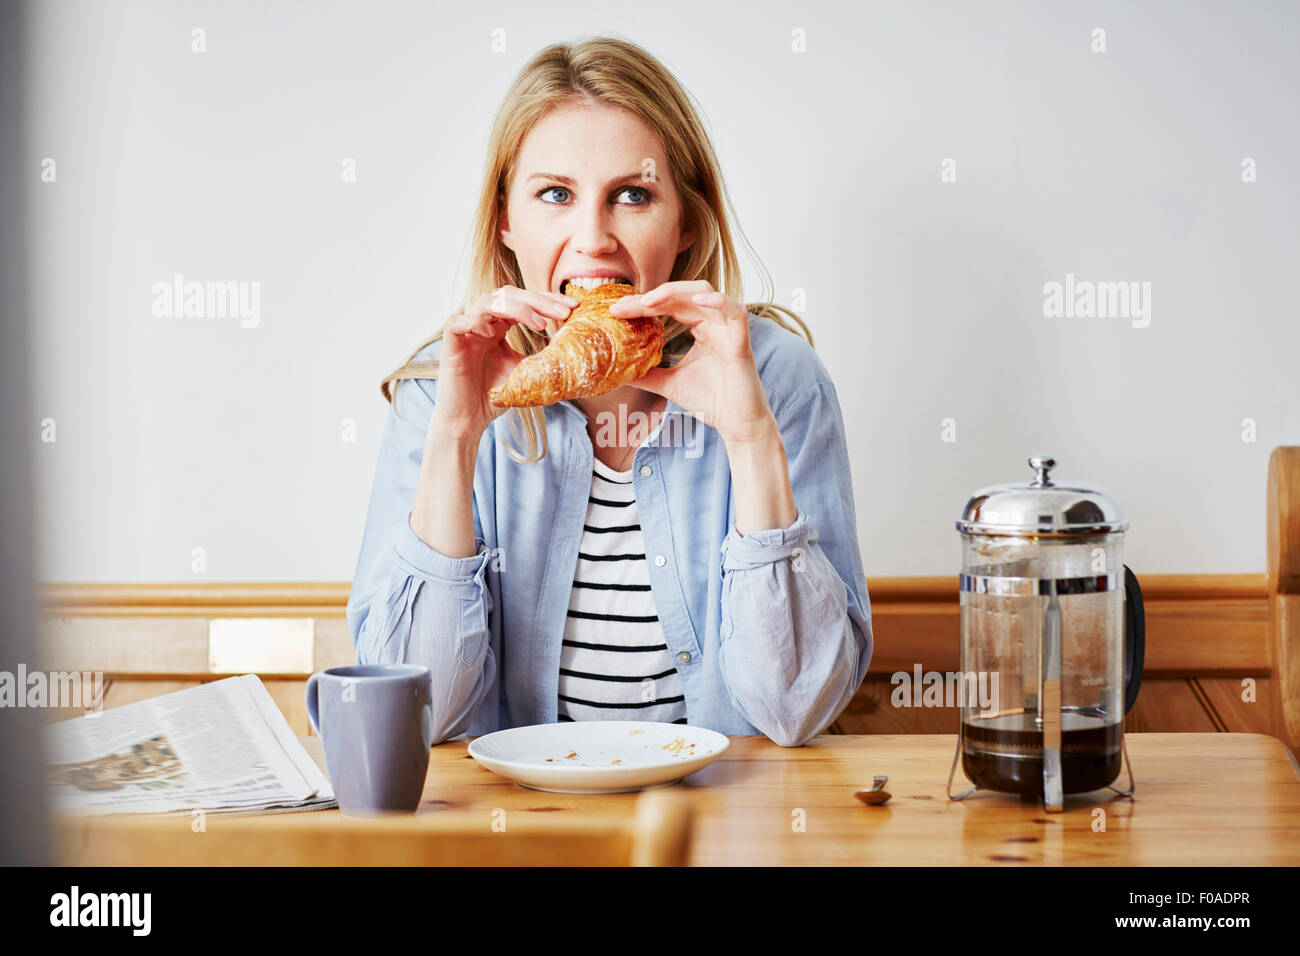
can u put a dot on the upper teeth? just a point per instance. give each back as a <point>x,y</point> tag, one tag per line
<point>589,282</point>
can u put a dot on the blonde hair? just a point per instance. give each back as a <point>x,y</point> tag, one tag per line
<point>619,73</point>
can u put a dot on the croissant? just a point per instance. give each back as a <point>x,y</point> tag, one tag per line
<point>592,353</point>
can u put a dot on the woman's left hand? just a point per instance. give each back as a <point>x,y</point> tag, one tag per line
<point>716,381</point>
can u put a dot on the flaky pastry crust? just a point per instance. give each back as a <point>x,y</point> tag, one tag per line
<point>592,353</point>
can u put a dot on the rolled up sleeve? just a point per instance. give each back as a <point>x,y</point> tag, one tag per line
<point>796,627</point>
<point>411,603</point>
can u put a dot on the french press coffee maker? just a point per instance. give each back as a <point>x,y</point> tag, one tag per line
<point>1052,635</point>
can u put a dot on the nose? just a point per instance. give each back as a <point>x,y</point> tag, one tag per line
<point>593,233</point>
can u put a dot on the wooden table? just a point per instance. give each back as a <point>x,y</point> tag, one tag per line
<point>1201,799</point>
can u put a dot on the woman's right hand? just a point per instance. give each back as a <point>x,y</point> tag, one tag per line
<point>475,356</point>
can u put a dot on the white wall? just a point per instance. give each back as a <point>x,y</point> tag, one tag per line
<point>925,297</point>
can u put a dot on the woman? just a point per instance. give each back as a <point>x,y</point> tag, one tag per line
<point>579,578</point>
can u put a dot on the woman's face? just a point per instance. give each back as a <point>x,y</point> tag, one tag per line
<point>592,195</point>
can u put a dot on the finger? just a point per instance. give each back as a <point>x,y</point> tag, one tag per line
<point>501,304</point>
<point>724,303</point>
<point>492,326</point>
<point>680,287</point>
<point>669,291</point>
<point>662,296</point>
<point>543,302</point>
<point>489,326</point>
<point>684,310</point>
<point>561,297</point>
<point>547,302</point>
<point>464,328</point>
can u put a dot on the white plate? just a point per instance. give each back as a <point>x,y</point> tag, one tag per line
<point>598,756</point>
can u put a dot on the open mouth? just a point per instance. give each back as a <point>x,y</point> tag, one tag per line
<point>591,282</point>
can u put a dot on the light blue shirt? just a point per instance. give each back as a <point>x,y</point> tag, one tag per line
<point>770,632</point>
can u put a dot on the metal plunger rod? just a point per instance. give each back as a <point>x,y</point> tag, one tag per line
<point>1051,705</point>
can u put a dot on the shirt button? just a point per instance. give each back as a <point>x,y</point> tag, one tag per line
<point>646,470</point>
<point>660,560</point>
<point>684,657</point>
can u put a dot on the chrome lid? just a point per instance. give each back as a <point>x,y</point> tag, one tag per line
<point>1042,507</point>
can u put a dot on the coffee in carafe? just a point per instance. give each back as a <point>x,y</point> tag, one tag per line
<point>1005,751</point>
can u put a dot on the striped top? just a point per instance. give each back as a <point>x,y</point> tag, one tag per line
<point>614,662</point>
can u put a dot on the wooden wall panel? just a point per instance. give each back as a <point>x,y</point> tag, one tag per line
<point>872,712</point>
<point>1223,695</point>
<point>290,696</point>
<point>1169,705</point>
<point>126,645</point>
<point>334,647</point>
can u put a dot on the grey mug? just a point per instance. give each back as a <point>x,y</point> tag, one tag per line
<point>376,724</point>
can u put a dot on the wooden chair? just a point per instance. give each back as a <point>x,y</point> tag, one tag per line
<point>659,834</point>
<point>1284,590</point>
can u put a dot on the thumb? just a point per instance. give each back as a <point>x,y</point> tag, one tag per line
<point>499,363</point>
<point>657,380</point>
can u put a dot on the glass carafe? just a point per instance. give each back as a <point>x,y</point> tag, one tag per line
<point>1048,637</point>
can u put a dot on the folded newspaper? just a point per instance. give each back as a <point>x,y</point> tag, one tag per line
<point>221,747</point>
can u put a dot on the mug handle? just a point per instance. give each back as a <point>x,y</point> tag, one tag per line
<point>312,714</point>
<point>426,717</point>
<point>1135,638</point>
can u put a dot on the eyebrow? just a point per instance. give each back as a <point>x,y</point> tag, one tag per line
<point>573,182</point>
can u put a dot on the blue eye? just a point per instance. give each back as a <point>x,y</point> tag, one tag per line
<point>551,189</point>
<point>637,189</point>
